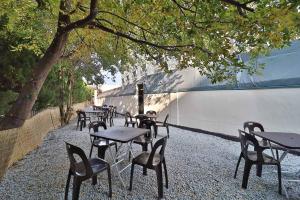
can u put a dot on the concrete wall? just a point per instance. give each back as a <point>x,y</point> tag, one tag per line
<point>16,143</point>
<point>222,111</point>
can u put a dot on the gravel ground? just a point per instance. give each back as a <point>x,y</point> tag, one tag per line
<point>200,167</point>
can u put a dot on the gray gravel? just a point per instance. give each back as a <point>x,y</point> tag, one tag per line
<point>200,167</point>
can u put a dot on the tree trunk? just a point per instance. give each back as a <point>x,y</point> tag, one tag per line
<point>20,111</point>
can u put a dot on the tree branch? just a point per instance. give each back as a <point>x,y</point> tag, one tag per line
<point>239,5</point>
<point>182,8</point>
<point>140,41</point>
<point>84,21</point>
<point>129,22</point>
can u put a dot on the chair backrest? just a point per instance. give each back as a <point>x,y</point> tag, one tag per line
<point>96,107</point>
<point>160,143</point>
<point>95,126</point>
<point>166,119</point>
<point>251,126</point>
<point>151,112</point>
<point>75,168</point>
<point>246,139</point>
<point>81,114</point>
<point>148,124</point>
<point>128,117</point>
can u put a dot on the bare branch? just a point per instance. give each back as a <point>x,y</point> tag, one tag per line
<point>181,7</point>
<point>127,21</point>
<point>239,5</point>
<point>141,41</point>
<point>84,21</point>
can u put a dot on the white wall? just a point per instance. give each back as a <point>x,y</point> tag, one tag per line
<point>222,111</point>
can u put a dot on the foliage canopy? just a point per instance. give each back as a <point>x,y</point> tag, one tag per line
<point>208,35</point>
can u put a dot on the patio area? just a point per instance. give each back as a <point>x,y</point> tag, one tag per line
<point>199,166</point>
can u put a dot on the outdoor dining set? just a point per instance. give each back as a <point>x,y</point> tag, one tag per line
<point>256,137</point>
<point>141,129</point>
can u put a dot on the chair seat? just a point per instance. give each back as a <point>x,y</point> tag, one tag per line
<point>252,155</point>
<point>101,142</point>
<point>142,159</point>
<point>142,140</point>
<point>97,166</point>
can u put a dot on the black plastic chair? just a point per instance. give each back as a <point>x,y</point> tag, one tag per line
<point>104,116</point>
<point>164,124</point>
<point>254,126</point>
<point>128,120</point>
<point>101,144</point>
<point>81,119</point>
<point>146,139</point>
<point>83,170</point>
<point>256,157</point>
<point>153,161</point>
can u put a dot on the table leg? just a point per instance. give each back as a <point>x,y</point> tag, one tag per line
<point>116,160</point>
<point>145,148</point>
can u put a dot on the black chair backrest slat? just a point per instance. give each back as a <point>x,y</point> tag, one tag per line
<point>252,126</point>
<point>95,126</point>
<point>246,139</point>
<point>160,143</point>
<point>128,117</point>
<point>151,112</point>
<point>166,119</point>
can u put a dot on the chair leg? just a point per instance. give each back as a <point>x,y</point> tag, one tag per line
<point>131,176</point>
<point>91,151</point>
<point>109,181</point>
<point>67,185</point>
<point>247,169</point>
<point>94,180</point>
<point>258,170</point>
<point>237,165</point>
<point>166,174</point>
<point>81,125</point>
<point>76,189</point>
<point>145,148</point>
<point>158,171</point>
<point>167,127</point>
<point>279,179</point>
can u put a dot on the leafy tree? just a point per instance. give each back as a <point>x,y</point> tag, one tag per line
<point>208,35</point>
